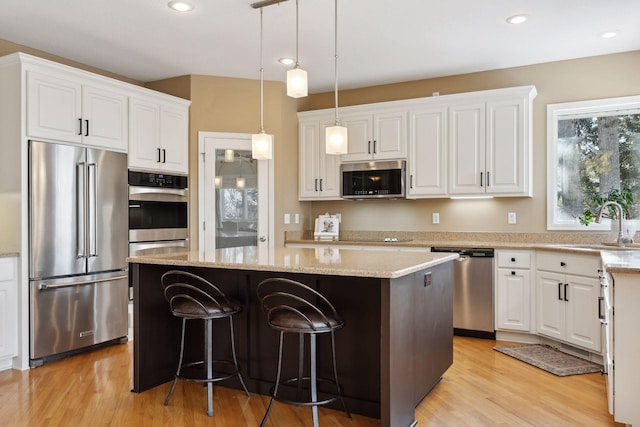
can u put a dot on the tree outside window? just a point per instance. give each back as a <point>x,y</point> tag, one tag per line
<point>593,148</point>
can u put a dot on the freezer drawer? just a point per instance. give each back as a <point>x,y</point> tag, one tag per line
<point>72,313</point>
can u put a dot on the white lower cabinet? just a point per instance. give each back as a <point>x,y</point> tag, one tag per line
<point>8,310</point>
<point>513,291</point>
<point>568,288</point>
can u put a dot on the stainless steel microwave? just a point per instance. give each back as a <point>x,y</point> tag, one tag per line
<point>373,180</point>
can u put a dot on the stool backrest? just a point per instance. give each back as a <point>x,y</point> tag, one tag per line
<point>181,286</point>
<point>279,294</point>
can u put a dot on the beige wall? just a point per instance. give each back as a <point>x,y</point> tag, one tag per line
<point>590,78</point>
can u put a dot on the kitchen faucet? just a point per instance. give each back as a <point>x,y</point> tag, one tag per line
<point>620,241</point>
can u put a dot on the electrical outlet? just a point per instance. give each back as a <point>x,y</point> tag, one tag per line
<point>511,217</point>
<point>287,218</point>
<point>296,218</point>
<point>435,218</point>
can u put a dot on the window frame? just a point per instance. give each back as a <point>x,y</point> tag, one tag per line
<point>566,110</point>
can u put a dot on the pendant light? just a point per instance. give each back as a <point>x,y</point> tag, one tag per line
<point>336,136</point>
<point>261,142</point>
<point>297,77</point>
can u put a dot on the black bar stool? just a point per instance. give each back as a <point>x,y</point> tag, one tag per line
<point>192,297</point>
<point>292,307</point>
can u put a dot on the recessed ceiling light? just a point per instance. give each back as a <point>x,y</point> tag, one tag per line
<point>180,6</point>
<point>517,19</point>
<point>286,61</point>
<point>608,34</point>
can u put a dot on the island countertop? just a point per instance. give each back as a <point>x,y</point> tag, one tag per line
<point>327,261</point>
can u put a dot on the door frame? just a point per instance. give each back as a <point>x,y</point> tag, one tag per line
<point>243,142</point>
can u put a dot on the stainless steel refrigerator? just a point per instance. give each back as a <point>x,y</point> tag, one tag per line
<point>78,243</point>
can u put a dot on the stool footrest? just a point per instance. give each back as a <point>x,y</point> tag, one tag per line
<point>200,367</point>
<point>306,390</point>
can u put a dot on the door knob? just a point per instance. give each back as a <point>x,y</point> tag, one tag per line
<point>263,239</point>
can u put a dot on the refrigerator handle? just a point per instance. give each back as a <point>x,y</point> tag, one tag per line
<point>81,210</point>
<point>92,211</point>
<point>44,286</point>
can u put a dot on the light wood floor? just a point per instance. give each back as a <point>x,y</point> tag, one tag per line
<point>482,388</point>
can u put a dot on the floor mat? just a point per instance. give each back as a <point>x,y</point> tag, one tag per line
<point>550,359</point>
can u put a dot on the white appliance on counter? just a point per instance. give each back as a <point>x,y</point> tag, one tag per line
<point>77,250</point>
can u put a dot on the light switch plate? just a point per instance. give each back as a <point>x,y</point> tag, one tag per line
<point>287,218</point>
<point>296,218</point>
<point>435,218</point>
<point>511,217</point>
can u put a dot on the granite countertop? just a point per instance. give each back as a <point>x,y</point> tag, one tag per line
<point>621,261</point>
<point>327,261</point>
<point>8,254</point>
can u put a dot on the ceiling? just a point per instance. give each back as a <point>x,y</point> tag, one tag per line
<point>379,41</point>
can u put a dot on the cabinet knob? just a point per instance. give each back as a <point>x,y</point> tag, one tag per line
<point>513,273</point>
<point>563,264</point>
<point>513,260</point>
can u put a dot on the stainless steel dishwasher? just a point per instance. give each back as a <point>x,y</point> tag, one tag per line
<point>473,312</point>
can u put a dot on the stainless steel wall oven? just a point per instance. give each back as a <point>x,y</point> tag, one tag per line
<point>158,213</point>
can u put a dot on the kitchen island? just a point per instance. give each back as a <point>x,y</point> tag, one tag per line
<point>396,344</point>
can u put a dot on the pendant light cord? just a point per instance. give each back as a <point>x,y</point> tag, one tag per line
<point>336,58</point>
<point>261,79</point>
<point>297,36</point>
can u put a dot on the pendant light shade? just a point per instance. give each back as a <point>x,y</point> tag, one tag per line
<point>336,140</point>
<point>297,77</point>
<point>297,83</point>
<point>262,142</point>
<point>262,146</point>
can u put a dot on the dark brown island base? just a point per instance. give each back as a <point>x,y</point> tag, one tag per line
<point>396,344</point>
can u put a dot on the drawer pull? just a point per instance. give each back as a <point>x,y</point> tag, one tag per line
<point>513,273</point>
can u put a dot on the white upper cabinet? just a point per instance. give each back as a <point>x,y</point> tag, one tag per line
<point>159,135</point>
<point>319,173</point>
<point>65,108</point>
<point>375,135</point>
<point>427,160</point>
<point>490,144</point>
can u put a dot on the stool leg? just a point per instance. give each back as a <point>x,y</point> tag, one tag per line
<point>312,368</point>
<point>208,354</point>
<point>235,360</point>
<point>275,389</point>
<point>335,374</point>
<point>300,363</point>
<point>175,380</point>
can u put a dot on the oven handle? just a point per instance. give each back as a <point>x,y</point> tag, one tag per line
<point>143,246</point>
<point>147,190</point>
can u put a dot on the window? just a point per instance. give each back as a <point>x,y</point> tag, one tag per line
<point>592,148</point>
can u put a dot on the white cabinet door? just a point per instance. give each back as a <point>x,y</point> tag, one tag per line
<point>174,139</point>
<point>376,136</point>
<point>144,134</point>
<point>514,299</point>
<point>54,108</point>
<point>159,136</point>
<point>467,149</point>
<point>105,118</point>
<point>390,135</point>
<point>506,154</point>
<point>318,172</point>
<point>8,308</point>
<point>582,323</point>
<point>360,137</point>
<point>72,111</point>
<point>550,304</point>
<point>427,148</point>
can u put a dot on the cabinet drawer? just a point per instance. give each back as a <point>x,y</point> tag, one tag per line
<point>581,265</point>
<point>6,269</point>
<point>514,259</point>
